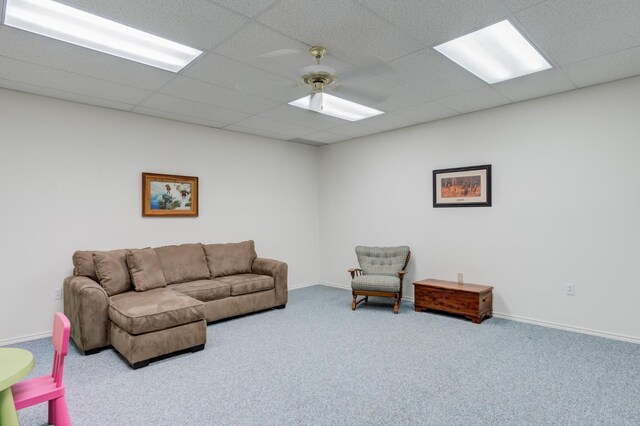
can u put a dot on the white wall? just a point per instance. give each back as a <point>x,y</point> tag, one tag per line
<point>71,179</point>
<point>566,205</point>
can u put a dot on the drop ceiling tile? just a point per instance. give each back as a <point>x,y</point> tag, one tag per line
<point>67,96</point>
<point>535,85</point>
<point>267,49</point>
<point>518,5</point>
<point>438,21</point>
<point>346,28</point>
<point>250,8</point>
<point>325,137</point>
<point>188,108</point>
<point>575,30</point>
<point>258,132</point>
<point>37,49</point>
<point>274,126</point>
<point>304,141</point>
<point>430,111</point>
<point>195,90</point>
<point>387,121</point>
<point>222,71</point>
<point>197,23</point>
<point>294,115</point>
<point>354,130</point>
<point>433,75</point>
<point>177,117</point>
<point>64,81</point>
<point>474,100</point>
<point>615,66</point>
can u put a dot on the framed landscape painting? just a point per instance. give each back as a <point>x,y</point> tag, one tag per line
<point>169,195</point>
<point>462,187</point>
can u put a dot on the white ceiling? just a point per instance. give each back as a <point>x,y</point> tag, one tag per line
<point>382,50</point>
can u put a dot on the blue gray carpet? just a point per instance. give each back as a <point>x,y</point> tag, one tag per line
<point>317,362</point>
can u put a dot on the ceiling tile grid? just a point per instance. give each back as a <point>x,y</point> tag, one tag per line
<point>36,49</point>
<point>199,91</point>
<point>196,23</point>
<point>36,75</point>
<point>382,52</point>
<point>64,95</point>
<point>575,30</point>
<point>346,28</point>
<point>436,21</point>
<point>188,108</point>
<point>177,117</point>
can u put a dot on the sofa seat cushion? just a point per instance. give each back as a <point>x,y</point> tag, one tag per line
<point>203,290</point>
<point>247,283</point>
<point>153,310</point>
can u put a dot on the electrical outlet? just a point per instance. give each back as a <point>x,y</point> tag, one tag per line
<point>460,278</point>
<point>57,293</point>
<point>570,289</point>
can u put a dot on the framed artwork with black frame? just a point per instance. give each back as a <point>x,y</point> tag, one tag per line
<point>462,187</point>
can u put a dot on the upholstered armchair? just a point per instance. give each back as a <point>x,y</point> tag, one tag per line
<point>380,273</point>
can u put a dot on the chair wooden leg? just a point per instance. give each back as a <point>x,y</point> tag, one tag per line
<point>62,415</point>
<point>366,300</point>
<point>396,306</point>
<point>353,304</point>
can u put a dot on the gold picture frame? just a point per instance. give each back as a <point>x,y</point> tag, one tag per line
<point>169,195</point>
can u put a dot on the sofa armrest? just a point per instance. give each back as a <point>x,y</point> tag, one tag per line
<point>276,269</point>
<point>86,305</point>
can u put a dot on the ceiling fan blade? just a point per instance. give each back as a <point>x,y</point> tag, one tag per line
<point>277,53</point>
<point>369,97</point>
<point>370,65</point>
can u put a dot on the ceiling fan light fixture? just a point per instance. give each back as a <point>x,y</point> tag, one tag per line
<point>71,25</point>
<point>495,53</point>
<point>334,106</point>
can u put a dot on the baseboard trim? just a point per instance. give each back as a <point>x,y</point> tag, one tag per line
<point>570,328</point>
<point>302,285</point>
<point>541,323</point>
<point>25,338</point>
<point>334,285</point>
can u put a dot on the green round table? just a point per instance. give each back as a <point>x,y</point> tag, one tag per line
<point>14,365</point>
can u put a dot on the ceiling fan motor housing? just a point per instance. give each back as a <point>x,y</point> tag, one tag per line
<point>318,76</point>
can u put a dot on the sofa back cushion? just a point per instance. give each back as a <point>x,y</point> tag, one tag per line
<point>145,269</point>
<point>111,271</point>
<point>186,262</point>
<point>83,264</point>
<point>230,259</point>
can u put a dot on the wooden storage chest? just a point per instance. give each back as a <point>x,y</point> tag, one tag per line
<point>473,301</point>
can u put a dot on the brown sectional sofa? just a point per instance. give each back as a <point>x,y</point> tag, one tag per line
<point>152,302</point>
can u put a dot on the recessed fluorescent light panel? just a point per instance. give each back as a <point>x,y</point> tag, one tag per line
<point>495,53</point>
<point>74,26</point>
<point>335,107</point>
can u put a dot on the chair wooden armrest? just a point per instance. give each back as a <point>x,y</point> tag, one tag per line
<point>402,273</point>
<point>355,272</point>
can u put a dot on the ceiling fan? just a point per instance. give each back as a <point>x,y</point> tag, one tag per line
<point>320,77</point>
